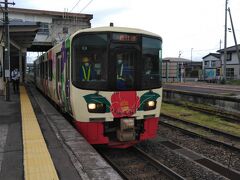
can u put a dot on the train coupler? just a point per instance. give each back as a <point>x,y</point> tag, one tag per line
<point>127,130</point>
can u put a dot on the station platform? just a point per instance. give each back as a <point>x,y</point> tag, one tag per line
<point>37,142</point>
<point>204,88</point>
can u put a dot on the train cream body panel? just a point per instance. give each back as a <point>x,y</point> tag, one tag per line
<point>79,105</point>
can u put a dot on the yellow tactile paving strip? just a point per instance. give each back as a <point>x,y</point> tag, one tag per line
<point>38,164</point>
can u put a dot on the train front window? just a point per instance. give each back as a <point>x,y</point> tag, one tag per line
<point>124,62</point>
<point>116,61</point>
<point>90,65</point>
<point>151,60</point>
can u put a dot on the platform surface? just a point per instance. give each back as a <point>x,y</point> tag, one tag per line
<point>67,155</point>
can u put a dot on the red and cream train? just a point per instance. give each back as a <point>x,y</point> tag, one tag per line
<point>111,103</point>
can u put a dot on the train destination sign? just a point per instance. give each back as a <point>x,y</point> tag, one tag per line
<point>125,37</point>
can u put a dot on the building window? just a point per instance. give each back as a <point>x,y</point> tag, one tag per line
<point>230,73</point>
<point>218,72</point>
<point>213,64</point>
<point>43,29</point>
<point>206,63</point>
<point>229,56</point>
<point>65,30</point>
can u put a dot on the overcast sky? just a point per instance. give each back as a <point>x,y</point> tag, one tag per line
<point>183,24</point>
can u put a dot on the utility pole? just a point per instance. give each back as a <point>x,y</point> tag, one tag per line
<point>191,54</point>
<point>225,44</point>
<point>234,36</point>
<point>6,61</point>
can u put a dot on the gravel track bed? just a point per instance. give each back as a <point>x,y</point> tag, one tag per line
<point>221,154</point>
<point>183,166</point>
<point>201,131</point>
<point>133,165</point>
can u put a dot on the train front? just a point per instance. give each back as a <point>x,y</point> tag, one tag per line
<point>116,90</point>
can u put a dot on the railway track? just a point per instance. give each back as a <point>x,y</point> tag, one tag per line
<point>133,163</point>
<point>203,132</point>
<point>228,116</point>
<point>186,161</point>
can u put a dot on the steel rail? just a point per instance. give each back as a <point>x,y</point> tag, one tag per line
<point>161,168</point>
<point>217,167</point>
<point>206,138</point>
<point>229,116</point>
<point>201,126</point>
<point>159,165</point>
<point>114,165</point>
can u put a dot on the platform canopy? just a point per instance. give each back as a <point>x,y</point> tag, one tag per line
<point>22,33</point>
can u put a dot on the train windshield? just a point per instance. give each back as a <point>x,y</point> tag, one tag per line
<point>90,67</point>
<point>116,61</point>
<point>151,73</point>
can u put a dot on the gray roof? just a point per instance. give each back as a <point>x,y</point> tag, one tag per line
<point>216,55</point>
<point>229,49</point>
<point>50,13</point>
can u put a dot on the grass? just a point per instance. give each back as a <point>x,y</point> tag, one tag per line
<point>233,82</point>
<point>211,121</point>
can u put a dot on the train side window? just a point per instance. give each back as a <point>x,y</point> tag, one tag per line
<point>50,70</point>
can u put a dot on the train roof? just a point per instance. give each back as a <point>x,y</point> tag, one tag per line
<point>110,29</point>
<point>117,29</point>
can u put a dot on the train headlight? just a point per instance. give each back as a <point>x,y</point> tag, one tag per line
<point>150,105</point>
<point>96,108</point>
<point>92,106</point>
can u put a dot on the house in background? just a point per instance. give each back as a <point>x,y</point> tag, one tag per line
<point>232,63</point>
<point>211,67</point>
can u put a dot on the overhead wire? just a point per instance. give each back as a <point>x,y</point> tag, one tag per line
<point>75,5</point>
<point>86,5</point>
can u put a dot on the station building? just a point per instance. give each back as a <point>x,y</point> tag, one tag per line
<point>36,31</point>
<point>175,69</point>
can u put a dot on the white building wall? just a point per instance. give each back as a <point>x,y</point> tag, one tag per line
<point>56,30</point>
<point>233,61</point>
<point>210,59</point>
<point>232,64</point>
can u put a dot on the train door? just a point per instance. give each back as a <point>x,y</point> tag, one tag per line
<point>58,78</point>
<point>67,88</point>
